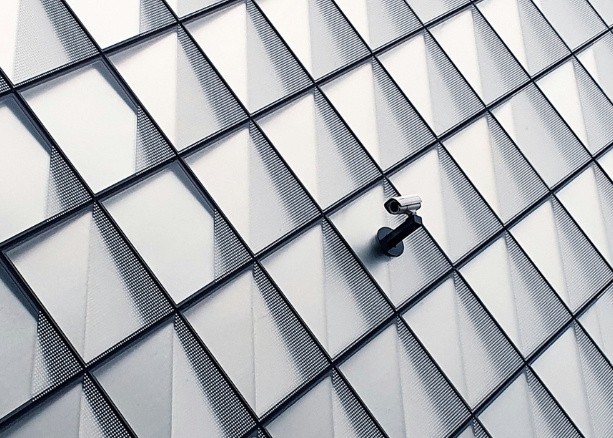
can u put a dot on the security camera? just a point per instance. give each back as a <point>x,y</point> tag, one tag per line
<point>390,240</point>
<point>408,204</point>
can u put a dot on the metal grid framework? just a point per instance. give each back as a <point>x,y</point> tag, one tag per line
<point>462,403</point>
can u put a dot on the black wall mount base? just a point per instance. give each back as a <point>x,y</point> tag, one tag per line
<point>390,240</point>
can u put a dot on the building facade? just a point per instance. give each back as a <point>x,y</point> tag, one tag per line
<point>190,192</point>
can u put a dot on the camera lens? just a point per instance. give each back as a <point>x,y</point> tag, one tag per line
<point>394,206</point>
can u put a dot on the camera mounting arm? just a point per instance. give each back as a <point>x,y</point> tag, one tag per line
<point>390,240</point>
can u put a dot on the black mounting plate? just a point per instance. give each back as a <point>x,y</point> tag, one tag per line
<point>395,251</point>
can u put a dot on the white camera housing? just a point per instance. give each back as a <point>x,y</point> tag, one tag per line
<point>408,204</point>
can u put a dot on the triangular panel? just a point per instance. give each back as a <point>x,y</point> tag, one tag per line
<point>249,55</point>
<point>318,147</point>
<point>496,167</point>
<point>47,38</point>
<point>377,112</point>
<point>524,30</point>
<point>516,294</point>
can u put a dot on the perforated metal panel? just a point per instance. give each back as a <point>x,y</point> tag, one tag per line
<point>190,192</point>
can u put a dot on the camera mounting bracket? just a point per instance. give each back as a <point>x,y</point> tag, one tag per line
<point>390,240</point>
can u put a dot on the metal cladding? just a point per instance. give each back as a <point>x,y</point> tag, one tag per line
<point>190,193</point>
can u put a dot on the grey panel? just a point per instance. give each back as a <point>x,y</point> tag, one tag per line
<point>79,410</point>
<point>46,38</point>
<point>191,190</point>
